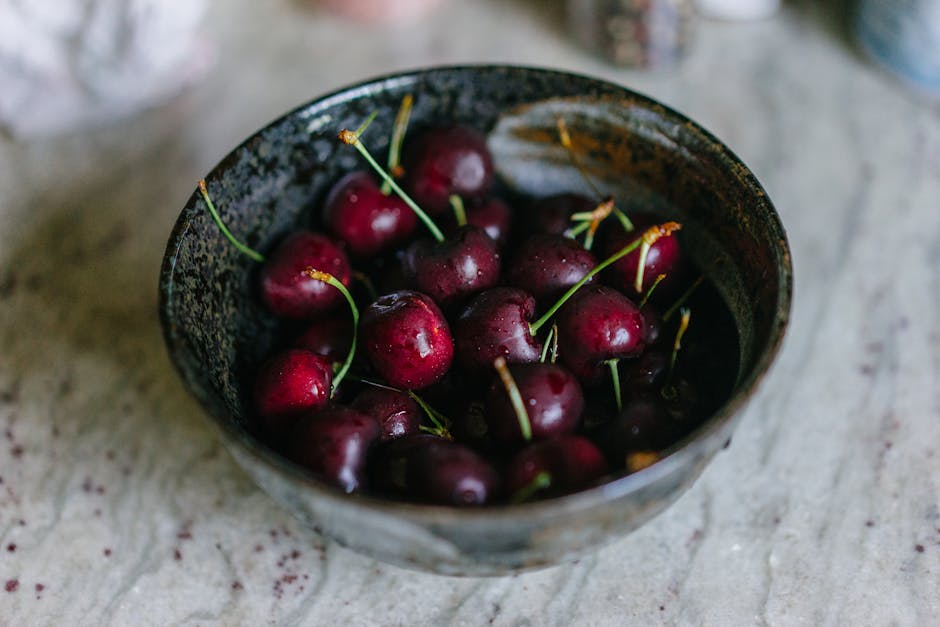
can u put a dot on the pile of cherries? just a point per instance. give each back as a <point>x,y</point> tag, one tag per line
<point>502,359</point>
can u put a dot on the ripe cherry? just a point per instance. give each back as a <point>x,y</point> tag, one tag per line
<point>289,384</point>
<point>551,398</point>
<point>496,324</point>
<point>406,339</point>
<point>546,265</point>
<point>330,337</point>
<point>333,444</point>
<point>449,271</point>
<point>645,424</point>
<point>397,414</point>
<point>448,473</point>
<point>552,214</point>
<point>369,222</point>
<point>663,257</point>
<point>445,161</point>
<point>596,325</point>
<point>285,287</point>
<point>490,214</point>
<point>554,467</point>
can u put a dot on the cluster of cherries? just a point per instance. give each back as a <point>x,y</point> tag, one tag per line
<point>499,362</point>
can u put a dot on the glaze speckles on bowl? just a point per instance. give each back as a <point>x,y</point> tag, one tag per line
<point>633,147</point>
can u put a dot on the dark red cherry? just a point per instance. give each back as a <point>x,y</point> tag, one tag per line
<point>449,271</point>
<point>554,467</point>
<point>496,324</point>
<point>552,399</point>
<point>664,257</point>
<point>646,374</point>
<point>333,444</point>
<point>552,214</point>
<point>546,265</point>
<point>289,384</point>
<point>330,337</point>
<point>396,412</point>
<point>388,462</point>
<point>493,216</point>
<point>369,222</point>
<point>654,324</point>
<point>645,424</point>
<point>445,161</point>
<point>597,324</point>
<point>406,339</point>
<point>285,288</point>
<point>449,473</point>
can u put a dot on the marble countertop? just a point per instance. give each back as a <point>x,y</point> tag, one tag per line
<point>118,505</point>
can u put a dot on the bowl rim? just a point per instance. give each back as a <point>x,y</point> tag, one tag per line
<point>674,459</point>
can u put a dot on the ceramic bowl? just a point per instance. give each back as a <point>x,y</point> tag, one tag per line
<point>631,146</point>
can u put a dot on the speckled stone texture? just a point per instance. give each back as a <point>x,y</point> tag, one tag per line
<point>823,511</point>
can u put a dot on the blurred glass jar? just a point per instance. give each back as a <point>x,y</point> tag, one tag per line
<point>633,33</point>
<point>904,36</point>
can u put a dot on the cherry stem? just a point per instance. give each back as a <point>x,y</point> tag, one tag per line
<point>539,482</point>
<point>615,378</point>
<point>435,416</point>
<point>352,138</point>
<point>515,397</point>
<point>326,277</point>
<point>681,300</point>
<point>456,203</point>
<point>548,341</point>
<point>577,230</point>
<point>250,252</point>
<point>677,344</point>
<point>649,292</point>
<point>554,344</point>
<point>398,136</point>
<point>638,460</point>
<point>624,220</point>
<point>650,235</point>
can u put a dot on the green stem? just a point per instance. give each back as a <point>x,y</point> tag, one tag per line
<point>434,416</point>
<point>250,252</point>
<point>332,280</point>
<point>624,220</point>
<point>398,137</point>
<point>640,266</point>
<point>547,344</point>
<point>350,137</point>
<point>649,292</point>
<point>515,397</point>
<point>677,344</point>
<point>681,300</point>
<point>456,202</point>
<point>539,482</point>
<point>578,230</point>
<point>615,377</point>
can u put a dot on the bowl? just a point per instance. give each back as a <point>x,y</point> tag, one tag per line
<point>629,145</point>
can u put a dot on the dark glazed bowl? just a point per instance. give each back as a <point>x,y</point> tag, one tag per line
<point>632,146</point>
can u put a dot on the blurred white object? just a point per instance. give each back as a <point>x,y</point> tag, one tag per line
<point>380,10</point>
<point>65,64</point>
<point>904,36</point>
<point>738,9</point>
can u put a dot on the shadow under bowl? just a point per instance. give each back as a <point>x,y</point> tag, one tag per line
<point>631,146</point>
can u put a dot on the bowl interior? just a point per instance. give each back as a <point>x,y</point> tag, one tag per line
<point>632,147</point>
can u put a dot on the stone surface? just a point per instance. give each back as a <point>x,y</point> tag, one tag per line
<point>119,506</point>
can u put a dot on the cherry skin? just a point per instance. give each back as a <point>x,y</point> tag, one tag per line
<point>387,465</point>
<point>449,473</point>
<point>645,424</point>
<point>598,324</point>
<point>490,214</point>
<point>664,257</point>
<point>458,267</point>
<point>406,339</point>
<point>333,444</point>
<point>569,463</point>
<point>547,265</point>
<point>552,399</point>
<point>552,214</point>
<point>289,384</point>
<point>285,288</point>
<point>445,161</point>
<point>496,324</point>
<point>369,222</point>
<point>396,412</point>
<point>330,338</point>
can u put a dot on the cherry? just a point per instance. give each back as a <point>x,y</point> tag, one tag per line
<point>551,400</point>
<point>448,473</point>
<point>396,412</point>
<point>554,467</point>
<point>663,257</point>
<point>451,270</point>
<point>406,339</point>
<point>496,324</point>
<point>647,373</point>
<point>596,325</point>
<point>333,444</point>
<point>490,214</point>
<point>369,222</point>
<point>289,384</point>
<point>645,424</point>
<point>388,461</point>
<point>445,161</point>
<point>330,337</point>
<point>546,265</point>
<point>288,291</point>
<point>552,214</point>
